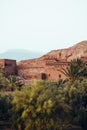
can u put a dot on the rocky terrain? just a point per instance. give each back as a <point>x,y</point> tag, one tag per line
<point>46,67</point>
<point>78,50</point>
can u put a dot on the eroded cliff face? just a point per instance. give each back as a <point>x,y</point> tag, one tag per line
<point>47,66</point>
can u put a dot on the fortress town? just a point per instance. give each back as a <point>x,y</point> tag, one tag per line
<point>47,66</point>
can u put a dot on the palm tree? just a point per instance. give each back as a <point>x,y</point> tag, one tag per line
<point>14,82</point>
<point>11,82</point>
<point>75,69</point>
<point>2,79</point>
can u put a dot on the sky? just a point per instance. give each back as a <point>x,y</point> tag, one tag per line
<point>42,25</point>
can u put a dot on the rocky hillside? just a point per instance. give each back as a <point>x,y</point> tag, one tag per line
<point>76,51</point>
<point>47,66</point>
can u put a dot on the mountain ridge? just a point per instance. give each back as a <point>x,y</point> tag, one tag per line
<point>75,51</point>
<point>20,54</point>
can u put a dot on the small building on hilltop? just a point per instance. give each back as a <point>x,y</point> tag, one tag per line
<point>8,66</point>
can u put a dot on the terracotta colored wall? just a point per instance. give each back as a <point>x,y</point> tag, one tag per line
<point>9,66</point>
<point>44,69</point>
<point>47,68</point>
<point>53,71</point>
<point>2,62</point>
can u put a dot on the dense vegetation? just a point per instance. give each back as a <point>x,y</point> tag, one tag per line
<point>9,83</point>
<point>47,105</point>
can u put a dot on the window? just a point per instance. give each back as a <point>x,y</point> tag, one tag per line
<point>8,64</point>
<point>49,75</point>
<point>59,75</point>
<point>43,76</point>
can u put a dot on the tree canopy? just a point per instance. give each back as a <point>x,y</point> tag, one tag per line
<point>75,69</point>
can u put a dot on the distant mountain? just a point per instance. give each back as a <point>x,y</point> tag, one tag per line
<point>20,54</point>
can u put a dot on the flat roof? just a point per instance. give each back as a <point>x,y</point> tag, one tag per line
<point>8,59</point>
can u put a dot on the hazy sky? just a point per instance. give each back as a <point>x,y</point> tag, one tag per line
<point>42,25</point>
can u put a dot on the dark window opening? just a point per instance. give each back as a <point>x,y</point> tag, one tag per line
<point>43,76</point>
<point>59,75</point>
<point>6,64</point>
<point>49,75</point>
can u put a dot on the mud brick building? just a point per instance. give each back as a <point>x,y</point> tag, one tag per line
<point>8,66</point>
<point>46,67</point>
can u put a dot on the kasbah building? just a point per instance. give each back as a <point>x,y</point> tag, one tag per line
<point>46,69</point>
